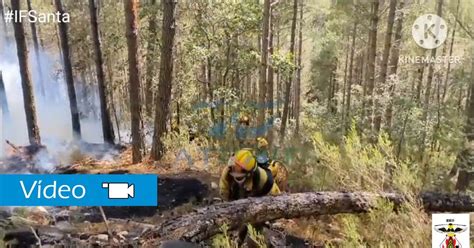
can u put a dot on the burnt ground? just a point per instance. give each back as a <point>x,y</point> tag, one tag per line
<point>178,193</point>
<point>173,191</point>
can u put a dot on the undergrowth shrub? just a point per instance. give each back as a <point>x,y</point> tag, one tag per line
<point>224,240</point>
<point>354,165</point>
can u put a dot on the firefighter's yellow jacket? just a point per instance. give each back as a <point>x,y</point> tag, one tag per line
<point>261,183</point>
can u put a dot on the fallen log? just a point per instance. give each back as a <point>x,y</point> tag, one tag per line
<point>26,152</point>
<point>205,222</point>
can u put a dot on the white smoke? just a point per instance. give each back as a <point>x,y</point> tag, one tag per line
<point>53,110</point>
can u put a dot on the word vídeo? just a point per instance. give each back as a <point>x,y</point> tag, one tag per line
<point>50,191</point>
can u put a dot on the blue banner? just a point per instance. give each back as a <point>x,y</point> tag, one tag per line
<point>78,190</point>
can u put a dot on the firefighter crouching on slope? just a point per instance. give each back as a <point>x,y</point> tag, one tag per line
<point>243,178</point>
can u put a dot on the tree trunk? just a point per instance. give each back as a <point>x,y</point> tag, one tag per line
<point>64,40</point>
<point>393,66</point>
<point>26,82</point>
<point>431,71</point>
<point>34,35</point>
<point>350,81</point>
<point>5,28</point>
<point>332,101</point>
<point>469,129</point>
<point>362,68</point>
<point>207,221</point>
<point>163,98</point>
<point>344,82</point>
<point>271,76</point>
<point>419,84</point>
<point>371,57</point>
<point>427,96</point>
<point>299,68</point>
<point>278,92</point>
<point>262,82</point>
<point>384,65</point>
<point>329,93</point>
<point>107,129</point>
<point>254,89</point>
<point>445,85</point>
<point>210,88</point>
<point>40,37</point>
<point>286,104</point>
<point>4,99</point>
<point>112,99</point>
<point>131,22</point>
<point>58,39</point>
<point>271,72</point>
<point>278,76</point>
<point>151,60</point>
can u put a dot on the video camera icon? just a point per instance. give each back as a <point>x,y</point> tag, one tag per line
<point>119,190</point>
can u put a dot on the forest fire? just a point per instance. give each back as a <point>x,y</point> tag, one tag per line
<point>37,158</point>
<point>274,123</point>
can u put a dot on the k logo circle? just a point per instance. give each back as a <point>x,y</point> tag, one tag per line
<point>429,31</point>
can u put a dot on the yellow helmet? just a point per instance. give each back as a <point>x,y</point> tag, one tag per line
<point>245,160</point>
<point>244,119</point>
<point>262,142</point>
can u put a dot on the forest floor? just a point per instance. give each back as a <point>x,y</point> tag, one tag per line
<point>181,189</point>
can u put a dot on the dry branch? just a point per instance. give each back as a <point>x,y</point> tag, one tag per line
<point>14,147</point>
<point>205,222</point>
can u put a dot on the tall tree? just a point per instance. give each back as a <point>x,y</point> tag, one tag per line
<point>427,96</point>
<point>371,57</point>
<point>262,82</point>
<point>26,82</point>
<point>419,82</point>
<point>5,28</point>
<point>64,40</point>
<point>271,71</point>
<point>299,69</point>
<point>278,76</point>
<point>448,70</point>
<point>150,59</point>
<point>350,80</point>
<point>385,57</point>
<point>429,79</point>
<point>3,98</point>
<point>107,129</point>
<point>163,98</point>
<point>393,67</point>
<point>469,129</point>
<point>134,87</point>
<point>34,35</point>
<point>286,104</point>
<point>344,82</point>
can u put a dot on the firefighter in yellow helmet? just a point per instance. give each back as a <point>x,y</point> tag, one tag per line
<point>242,178</point>
<point>243,132</point>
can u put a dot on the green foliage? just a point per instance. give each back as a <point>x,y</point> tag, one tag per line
<point>256,236</point>
<point>352,233</point>
<point>383,227</point>
<point>354,165</point>
<point>283,63</point>
<point>223,240</point>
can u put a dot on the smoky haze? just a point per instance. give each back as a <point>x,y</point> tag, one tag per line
<point>53,109</point>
